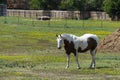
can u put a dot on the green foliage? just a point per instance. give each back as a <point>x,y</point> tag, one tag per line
<point>94,5</point>
<point>82,5</point>
<point>66,4</point>
<point>34,4</point>
<point>112,7</point>
<point>44,4</point>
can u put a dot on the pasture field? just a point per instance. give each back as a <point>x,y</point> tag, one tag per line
<point>30,53</point>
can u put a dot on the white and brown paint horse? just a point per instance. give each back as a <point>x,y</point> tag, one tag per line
<point>74,44</point>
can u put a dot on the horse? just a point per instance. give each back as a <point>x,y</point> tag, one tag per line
<point>74,44</point>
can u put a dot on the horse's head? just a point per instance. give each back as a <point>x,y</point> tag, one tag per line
<point>59,41</point>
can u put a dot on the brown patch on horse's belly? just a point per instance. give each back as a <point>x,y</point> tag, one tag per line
<point>92,44</point>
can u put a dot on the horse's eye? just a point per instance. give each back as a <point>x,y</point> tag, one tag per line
<point>61,40</point>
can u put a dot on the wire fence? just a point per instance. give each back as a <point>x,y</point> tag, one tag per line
<point>50,23</point>
<point>66,19</point>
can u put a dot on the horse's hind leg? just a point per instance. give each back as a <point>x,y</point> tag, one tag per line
<point>93,52</point>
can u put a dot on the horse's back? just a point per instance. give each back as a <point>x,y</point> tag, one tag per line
<point>86,36</point>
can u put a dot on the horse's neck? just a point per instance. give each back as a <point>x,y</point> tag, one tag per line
<point>68,37</point>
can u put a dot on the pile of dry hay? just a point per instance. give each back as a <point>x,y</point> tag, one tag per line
<point>111,43</point>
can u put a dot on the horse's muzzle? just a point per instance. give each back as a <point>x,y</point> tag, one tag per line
<point>59,47</point>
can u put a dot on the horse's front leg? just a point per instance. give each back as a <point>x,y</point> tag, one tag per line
<point>68,60</point>
<point>76,57</point>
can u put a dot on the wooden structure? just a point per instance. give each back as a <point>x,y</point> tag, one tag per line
<point>57,14</point>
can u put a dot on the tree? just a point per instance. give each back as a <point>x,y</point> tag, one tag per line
<point>34,4</point>
<point>82,5</point>
<point>112,7</point>
<point>72,5</point>
<point>66,4</point>
<point>95,5</point>
<point>44,4</point>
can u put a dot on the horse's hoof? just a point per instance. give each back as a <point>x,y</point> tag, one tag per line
<point>66,67</point>
<point>79,68</point>
<point>91,67</point>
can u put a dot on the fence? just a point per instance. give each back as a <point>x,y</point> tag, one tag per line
<point>58,18</point>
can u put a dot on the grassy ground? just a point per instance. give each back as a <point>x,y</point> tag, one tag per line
<point>30,53</point>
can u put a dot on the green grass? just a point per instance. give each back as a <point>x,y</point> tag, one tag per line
<point>53,67</point>
<point>29,52</point>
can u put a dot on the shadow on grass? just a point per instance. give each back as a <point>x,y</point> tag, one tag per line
<point>103,67</point>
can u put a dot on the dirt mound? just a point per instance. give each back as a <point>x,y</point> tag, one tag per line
<point>111,43</point>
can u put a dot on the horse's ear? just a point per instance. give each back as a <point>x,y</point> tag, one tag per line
<point>56,35</point>
<point>60,35</point>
